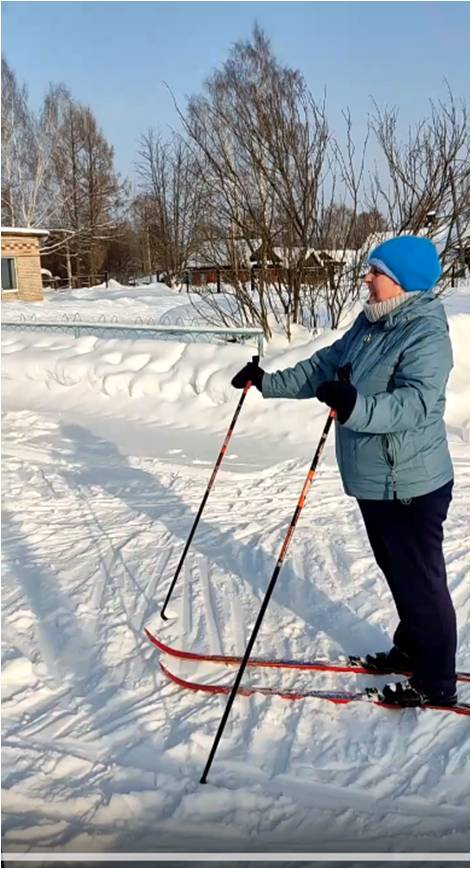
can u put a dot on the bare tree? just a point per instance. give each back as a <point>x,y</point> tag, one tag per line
<point>102,191</point>
<point>341,224</point>
<point>267,159</point>
<point>84,183</point>
<point>170,202</point>
<point>123,259</point>
<point>428,174</point>
<point>367,223</point>
<point>25,157</point>
<point>258,136</point>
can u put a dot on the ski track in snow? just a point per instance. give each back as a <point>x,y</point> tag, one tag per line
<point>100,752</point>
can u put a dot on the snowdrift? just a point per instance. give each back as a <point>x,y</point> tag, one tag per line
<point>190,383</point>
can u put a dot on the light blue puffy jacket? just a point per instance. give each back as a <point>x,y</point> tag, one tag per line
<point>394,443</point>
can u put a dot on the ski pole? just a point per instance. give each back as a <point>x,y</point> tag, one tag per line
<point>343,373</point>
<point>268,595</point>
<point>206,494</point>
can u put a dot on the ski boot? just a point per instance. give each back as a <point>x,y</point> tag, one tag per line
<point>409,694</point>
<point>393,661</point>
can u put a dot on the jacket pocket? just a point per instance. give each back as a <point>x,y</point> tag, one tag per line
<point>389,451</point>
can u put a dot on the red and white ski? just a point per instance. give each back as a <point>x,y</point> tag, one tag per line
<point>350,665</point>
<point>340,697</point>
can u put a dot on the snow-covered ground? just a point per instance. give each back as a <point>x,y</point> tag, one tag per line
<point>107,449</point>
<point>152,304</point>
<point>126,304</point>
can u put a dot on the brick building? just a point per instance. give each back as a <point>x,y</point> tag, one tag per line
<point>21,264</point>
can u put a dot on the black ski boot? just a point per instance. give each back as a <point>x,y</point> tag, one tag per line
<point>393,661</point>
<point>407,694</point>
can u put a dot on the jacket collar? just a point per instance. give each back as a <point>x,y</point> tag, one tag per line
<point>418,305</point>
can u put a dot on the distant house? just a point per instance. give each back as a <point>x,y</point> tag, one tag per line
<point>316,265</point>
<point>215,260</point>
<point>21,264</point>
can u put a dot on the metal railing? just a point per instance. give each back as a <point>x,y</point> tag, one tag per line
<point>185,334</point>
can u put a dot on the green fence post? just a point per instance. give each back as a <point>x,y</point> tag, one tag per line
<point>260,345</point>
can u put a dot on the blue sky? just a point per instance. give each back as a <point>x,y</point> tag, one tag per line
<point>115,55</point>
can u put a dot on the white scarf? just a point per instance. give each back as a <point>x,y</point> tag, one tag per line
<point>378,310</point>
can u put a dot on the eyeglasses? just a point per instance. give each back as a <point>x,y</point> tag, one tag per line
<point>374,271</point>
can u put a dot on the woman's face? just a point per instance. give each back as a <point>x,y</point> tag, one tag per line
<point>380,286</point>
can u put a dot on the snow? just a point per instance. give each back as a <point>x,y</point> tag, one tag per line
<point>107,450</point>
<point>185,385</point>
<point>151,304</point>
<point>201,312</point>
<point>456,299</point>
<point>133,304</point>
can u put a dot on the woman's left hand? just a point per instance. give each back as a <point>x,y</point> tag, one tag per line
<point>340,396</point>
<point>252,372</point>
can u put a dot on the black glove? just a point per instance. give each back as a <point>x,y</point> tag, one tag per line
<point>340,396</point>
<point>252,372</point>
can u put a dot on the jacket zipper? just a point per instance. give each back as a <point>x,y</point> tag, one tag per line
<point>365,340</point>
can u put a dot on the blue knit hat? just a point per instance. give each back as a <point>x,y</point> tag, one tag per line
<point>410,261</point>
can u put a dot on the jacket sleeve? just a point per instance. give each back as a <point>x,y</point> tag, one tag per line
<point>302,380</point>
<point>419,380</point>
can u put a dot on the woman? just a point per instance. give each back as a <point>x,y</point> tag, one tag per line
<point>392,452</point>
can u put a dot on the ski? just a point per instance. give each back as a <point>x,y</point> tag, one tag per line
<point>371,695</point>
<point>351,664</point>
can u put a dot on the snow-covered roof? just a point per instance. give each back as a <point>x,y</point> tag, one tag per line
<point>23,230</point>
<point>219,254</point>
<point>339,256</point>
<point>310,255</point>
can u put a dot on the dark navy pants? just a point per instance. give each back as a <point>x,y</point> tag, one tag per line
<point>407,538</point>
